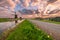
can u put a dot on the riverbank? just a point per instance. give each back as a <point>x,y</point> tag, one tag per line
<point>5,19</point>
<point>7,27</point>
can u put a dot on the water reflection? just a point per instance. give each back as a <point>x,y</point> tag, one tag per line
<point>6,25</point>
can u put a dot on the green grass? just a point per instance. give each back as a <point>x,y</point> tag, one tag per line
<point>50,21</point>
<point>4,19</point>
<point>27,31</point>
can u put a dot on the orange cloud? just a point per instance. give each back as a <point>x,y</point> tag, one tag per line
<point>2,2</point>
<point>26,3</point>
<point>35,2</point>
<point>13,3</point>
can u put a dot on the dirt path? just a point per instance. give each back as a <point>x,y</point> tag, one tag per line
<point>50,28</point>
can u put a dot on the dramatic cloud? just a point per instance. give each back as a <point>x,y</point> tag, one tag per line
<point>26,3</point>
<point>45,6</point>
<point>1,1</point>
<point>12,4</point>
<point>35,2</point>
<point>40,4</point>
<point>53,6</point>
<point>51,1</point>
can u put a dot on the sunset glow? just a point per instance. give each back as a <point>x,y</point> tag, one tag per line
<point>42,5</point>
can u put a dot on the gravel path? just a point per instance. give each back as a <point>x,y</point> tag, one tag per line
<point>50,28</point>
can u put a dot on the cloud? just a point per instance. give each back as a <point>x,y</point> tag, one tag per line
<point>41,4</point>
<point>1,1</point>
<point>26,3</point>
<point>51,1</point>
<point>12,4</point>
<point>35,2</point>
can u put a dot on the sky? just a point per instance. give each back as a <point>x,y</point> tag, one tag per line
<point>25,4</point>
<point>46,6</point>
<point>20,4</point>
<point>16,5</point>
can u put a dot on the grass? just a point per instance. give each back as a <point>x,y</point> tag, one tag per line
<point>27,31</point>
<point>51,21</point>
<point>5,19</point>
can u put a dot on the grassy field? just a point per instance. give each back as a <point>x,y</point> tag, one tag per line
<point>50,21</point>
<point>5,19</point>
<point>27,31</point>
